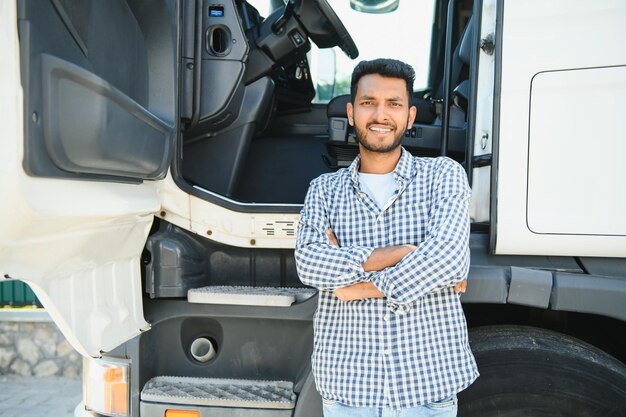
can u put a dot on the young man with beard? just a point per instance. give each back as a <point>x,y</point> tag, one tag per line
<point>386,243</point>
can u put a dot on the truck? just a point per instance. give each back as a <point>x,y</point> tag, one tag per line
<point>157,153</point>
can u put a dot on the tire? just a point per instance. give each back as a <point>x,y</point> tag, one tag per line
<point>533,372</point>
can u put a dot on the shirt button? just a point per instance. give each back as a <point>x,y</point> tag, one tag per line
<point>386,317</point>
<point>386,352</point>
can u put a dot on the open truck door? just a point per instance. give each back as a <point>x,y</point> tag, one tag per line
<point>88,109</point>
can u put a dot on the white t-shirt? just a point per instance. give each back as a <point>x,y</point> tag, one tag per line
<point>378,186</point>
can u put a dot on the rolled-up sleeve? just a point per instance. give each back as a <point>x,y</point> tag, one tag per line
<point>320,264</point>
<point>442,259</point>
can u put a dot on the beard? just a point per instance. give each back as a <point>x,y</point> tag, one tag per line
<point>361,135</point>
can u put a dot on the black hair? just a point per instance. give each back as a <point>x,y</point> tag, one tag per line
<point>385,67</point>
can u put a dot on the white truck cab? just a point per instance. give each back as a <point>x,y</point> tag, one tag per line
<point>156,155</point>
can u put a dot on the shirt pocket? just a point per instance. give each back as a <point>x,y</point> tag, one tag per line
<point>409,223</point>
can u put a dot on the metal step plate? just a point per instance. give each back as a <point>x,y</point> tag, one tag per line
<point>216,392</point>
<point>250,296</point>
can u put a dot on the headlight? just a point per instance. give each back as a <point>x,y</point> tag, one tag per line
<point>105,386</point>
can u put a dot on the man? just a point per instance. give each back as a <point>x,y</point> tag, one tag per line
<point>386,243</point>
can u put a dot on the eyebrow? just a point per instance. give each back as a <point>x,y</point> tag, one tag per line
<point>395,98</point>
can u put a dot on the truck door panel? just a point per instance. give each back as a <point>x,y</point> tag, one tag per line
<point>89,110</point>
<point>87,81</point>
<point>560,186</point>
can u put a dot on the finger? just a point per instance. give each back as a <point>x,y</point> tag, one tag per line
<point>461,287</point>
<point>332,237</point>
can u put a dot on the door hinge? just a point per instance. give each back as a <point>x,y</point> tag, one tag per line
<point>487,44</point>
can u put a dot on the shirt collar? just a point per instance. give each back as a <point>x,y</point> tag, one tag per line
<point>403,171</point>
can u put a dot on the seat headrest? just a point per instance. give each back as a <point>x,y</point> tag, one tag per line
<point>337,106</point>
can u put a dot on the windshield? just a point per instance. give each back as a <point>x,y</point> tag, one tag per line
<point>403,34</point>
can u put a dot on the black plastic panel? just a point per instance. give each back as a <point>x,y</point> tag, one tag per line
<point>252,342</point>
<point>279,169</point>
<point>229,23</point>
<point>175,262</point>
<point>219,87</point>
<point>100,86</point>
<point>612,267</point>
<point>221,92</point>
<point>92,127</point>
<point>214,162</point>
<point>178,260</point>
<point>589,294</point>
<point>247,347</point>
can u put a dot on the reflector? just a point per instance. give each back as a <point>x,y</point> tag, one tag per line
<point>182,413</point>
<point>106,386</point>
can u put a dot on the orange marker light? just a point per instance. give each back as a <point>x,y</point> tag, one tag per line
<point>116,398</point>
<point>181,413</point>
<point>106,386</point>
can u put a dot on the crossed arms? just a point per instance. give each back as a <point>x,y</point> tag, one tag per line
<point>402,273</point>
<point>378,260</point>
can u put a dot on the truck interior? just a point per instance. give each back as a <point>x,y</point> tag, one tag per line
<point>272,138</point>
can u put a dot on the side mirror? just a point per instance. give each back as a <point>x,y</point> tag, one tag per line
<point>374,6</point>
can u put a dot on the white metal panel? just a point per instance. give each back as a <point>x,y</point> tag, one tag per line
<point>481,177</point>
<point>220,224</point>
<point>575,158</point>
<point>540,36</point>
<point>77,243</point>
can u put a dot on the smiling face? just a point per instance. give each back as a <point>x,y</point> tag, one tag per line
<point>380,113</point>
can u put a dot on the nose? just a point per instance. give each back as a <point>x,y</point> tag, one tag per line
<point>380,113</point>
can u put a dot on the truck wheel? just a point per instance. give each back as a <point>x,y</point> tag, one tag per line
<point>527,371</point>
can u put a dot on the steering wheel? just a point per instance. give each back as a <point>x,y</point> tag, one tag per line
<point>326,31</point>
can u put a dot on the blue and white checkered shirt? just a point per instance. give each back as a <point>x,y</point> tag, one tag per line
<point>410,348</point>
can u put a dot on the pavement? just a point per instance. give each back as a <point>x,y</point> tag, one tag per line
<point>39,397</point>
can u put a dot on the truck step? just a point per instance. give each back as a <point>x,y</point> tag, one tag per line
<point>217,392</point>
<point>249,296</point>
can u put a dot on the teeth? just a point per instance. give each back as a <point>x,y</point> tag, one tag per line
<point>379,129</point>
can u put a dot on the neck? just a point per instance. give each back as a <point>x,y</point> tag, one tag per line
<point>378,163</point>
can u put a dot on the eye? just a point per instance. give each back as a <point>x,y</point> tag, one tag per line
<point>395,104</point>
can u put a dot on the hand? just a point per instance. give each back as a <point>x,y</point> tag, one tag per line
<point>358,291</point>
<point>332,237</point>
<point>461,287</point>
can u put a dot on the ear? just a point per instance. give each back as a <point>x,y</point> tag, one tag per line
<point>412,114</point>
<point>350,112</point>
